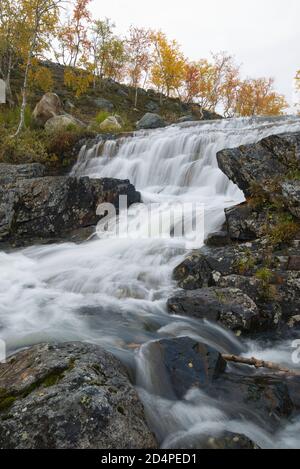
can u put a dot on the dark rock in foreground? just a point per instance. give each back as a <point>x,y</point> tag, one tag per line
<point>69,396</point>
<point>228,306</point>
<point>47,207</point>
<point>187,364</point>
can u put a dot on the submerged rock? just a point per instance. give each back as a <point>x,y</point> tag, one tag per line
<point>53,206</point>
<point>228,306</point>
<point>74,396</point>
<point>226,440</point>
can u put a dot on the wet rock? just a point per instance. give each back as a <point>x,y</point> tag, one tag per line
<point>262,162</point>
<point>188,364</point>
<point>10,173</point>
<point>52,206</point>
<point>49,106</point>
<point>291,195</point>
<point>188,118</point>
<point>228,306</point>
<point>150,121</point>
<point>265,400</point>
<point>69,396</point>
<point>203,268</point>
<point>218,239</point>
<point>227,440</point>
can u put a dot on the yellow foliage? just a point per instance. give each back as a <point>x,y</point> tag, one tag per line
<point>168,70</point>
<point>78,80</point>
<point>41,78</point>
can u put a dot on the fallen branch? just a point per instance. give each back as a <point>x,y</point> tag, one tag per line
<point>260,364</point>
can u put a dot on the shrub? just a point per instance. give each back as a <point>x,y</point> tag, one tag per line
<point>101,116</point>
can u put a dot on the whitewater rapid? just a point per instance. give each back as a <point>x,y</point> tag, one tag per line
<point>112,291</point>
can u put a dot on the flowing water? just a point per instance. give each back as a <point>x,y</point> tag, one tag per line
<point>112,290</point>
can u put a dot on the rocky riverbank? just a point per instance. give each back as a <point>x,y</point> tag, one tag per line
<point>247,277</point>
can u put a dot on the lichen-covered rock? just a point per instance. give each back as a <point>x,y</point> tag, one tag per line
<point>150,121</point>
<point>291,195</point>
<point>244,223</point>
<point>64,121</point>
<point>48,207</point>
<point>10,173</point>
<point>228,306</point>
<point>262,162</point>
<point>69,396</point>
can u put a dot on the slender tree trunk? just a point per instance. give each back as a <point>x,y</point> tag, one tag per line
<point>24,95</point>
<point>136,97</point>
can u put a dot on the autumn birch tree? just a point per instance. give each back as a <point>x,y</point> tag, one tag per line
<point>11,28</point>
<point>138,57</point>
<point>41,19</point>
<point>168,69</point>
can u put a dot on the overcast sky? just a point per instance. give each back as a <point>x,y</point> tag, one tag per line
<point>264,35</point>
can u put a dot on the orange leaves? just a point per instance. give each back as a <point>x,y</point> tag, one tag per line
<point>257,97</point>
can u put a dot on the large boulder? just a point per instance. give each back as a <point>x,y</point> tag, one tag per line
<point>64,121</point>
<point>74,396</point>
<point>229,306</point>
<point>261,163</point>
<point>10,173</point>
<point>150,121</point>
<point>111,124</point>
<point>49,106</point>
<point>51,207</point>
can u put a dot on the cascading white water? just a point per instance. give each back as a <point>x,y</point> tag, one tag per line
<point>112,291</point>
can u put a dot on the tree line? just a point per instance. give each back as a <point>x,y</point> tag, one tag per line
<point>91,51</point>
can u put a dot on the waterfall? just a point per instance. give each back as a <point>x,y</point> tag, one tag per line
<point>112,291</point>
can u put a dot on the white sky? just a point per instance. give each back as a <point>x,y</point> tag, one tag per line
<point>263,35</point>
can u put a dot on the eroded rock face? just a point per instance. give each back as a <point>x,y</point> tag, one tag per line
<point>262,162</point>
<point>150,121</point>
<point>53,206</point>
<point>69,396</point>
<point>244,223</point>
<point>228,306</point>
